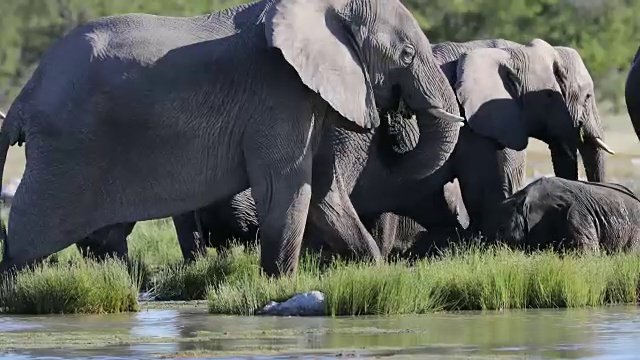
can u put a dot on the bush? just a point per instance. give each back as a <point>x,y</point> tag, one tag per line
<point>190,281</point>
<point>79,287</point>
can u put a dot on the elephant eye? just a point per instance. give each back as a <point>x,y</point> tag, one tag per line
<point>407,55</point>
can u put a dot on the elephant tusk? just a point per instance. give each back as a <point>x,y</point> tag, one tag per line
<point>2,116</point>
<point>439,113</point>
<point>601,144</point>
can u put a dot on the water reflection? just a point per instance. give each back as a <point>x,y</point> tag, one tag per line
<point>570,334</point>
<point>157,323</point>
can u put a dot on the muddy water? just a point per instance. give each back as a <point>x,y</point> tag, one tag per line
<point>603,333</point>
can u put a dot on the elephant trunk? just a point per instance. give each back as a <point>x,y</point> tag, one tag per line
<point>432,100</point>
<point>564,159</point>
<point>593,158</point>
<point>436,141</point>
<point>592,146</point>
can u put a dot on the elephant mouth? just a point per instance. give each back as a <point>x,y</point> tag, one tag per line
<point>401,113</point>
<point>402,128</point>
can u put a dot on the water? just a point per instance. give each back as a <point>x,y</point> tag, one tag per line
<point>602,333</point>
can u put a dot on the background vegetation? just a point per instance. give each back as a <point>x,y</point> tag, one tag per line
<point>604,31</point>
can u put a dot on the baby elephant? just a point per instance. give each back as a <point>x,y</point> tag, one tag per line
<point>566,214</point>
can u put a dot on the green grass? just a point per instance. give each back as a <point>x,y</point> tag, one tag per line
<point>470,280</point>
<point>190,282</point>
<point>78,287</point>
<point>464,279</point>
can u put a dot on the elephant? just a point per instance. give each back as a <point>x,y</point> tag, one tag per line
<point>507,97</point>
<point>536,90</point>
<point>134,117</point>
<point>553,212</point>
<point>632,93</point>
<point>503,80</point>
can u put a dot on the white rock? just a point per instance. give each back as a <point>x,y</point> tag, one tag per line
<point>306,304</point>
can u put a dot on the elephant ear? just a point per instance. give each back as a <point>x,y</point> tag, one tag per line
<point>566,65</point>
<point>486,90</point>
<point>322,48</point>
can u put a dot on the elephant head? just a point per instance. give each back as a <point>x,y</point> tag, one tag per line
<point>578,90</point>
<point>510,223</point>
<point>509,94</point>
<point>525,215</point>
<point>365,58</point>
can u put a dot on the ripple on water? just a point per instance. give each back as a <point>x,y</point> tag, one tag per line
<point>156,323</point>
<point>11,324</point>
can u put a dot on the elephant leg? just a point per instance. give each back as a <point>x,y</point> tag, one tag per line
<point>109,241</point>
<point>480,175</point>
<point>283,205</point>
<point>383,228</point>
<point>280,182</point>
<point>190,236</point>
<point>340,225</point>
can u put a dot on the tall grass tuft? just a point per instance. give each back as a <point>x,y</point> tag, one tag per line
<point>77,287</point>
<point>472,279</point>
<point>190,281</point>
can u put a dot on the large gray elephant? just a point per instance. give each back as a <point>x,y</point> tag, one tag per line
<point>567,214</point>
<point>632,93</point>
<point>512,91</point>
<point>135,117</point>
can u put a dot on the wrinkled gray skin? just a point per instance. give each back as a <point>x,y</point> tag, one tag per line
<point>136,117</point>
<point>529,91</point>
<point>566,214</point>
<point>632,93</point>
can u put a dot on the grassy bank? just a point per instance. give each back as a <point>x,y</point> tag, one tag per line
<point>469,279</point>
